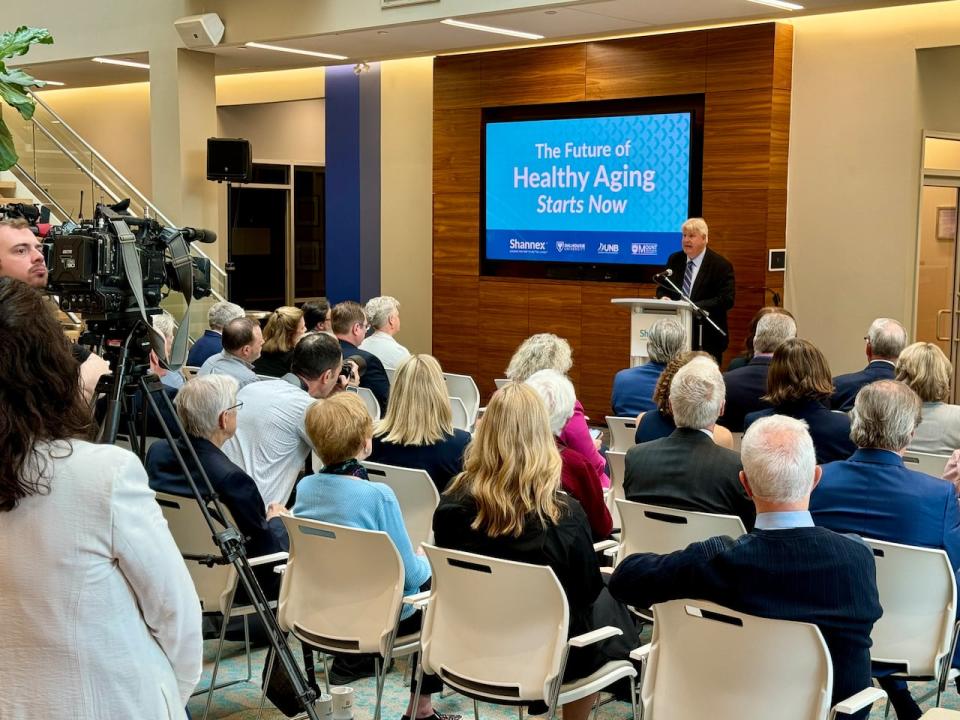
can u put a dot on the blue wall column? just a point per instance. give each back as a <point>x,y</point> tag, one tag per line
<point>353,183</point>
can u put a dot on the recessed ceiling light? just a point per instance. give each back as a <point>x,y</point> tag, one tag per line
<point>781,4</point>
<point>489,29</point>
<point>383,32</point>
<point>549,12</point>
<point>125,63</point>
<point>278,48</point>
<point>50,82</point>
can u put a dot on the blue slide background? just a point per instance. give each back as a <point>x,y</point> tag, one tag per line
<point>645,233</point>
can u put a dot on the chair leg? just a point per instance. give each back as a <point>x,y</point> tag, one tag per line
<point>216,661</point>
<point>886,711</point>
<point>416,692</point>
<point>271,655</point>
<point>633,700</point>
<point>596,707</point>
<point>326,673</point>
<point>520,712</point>
<point>381,681</point>
<point>476,711</point>
<point>246,646</point>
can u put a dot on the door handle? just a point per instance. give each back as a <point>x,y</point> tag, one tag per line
<point>941,313</point>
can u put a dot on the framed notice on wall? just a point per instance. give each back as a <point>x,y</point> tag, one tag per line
<point>946,222</point>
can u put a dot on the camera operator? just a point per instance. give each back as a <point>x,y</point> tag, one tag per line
<point>21,258</point>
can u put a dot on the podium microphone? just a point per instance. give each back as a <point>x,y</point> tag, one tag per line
<point>665,274</point>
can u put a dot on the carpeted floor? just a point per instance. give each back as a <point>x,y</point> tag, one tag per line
<point>240,702</point>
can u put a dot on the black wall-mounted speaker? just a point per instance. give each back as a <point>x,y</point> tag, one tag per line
<point>229,159</point>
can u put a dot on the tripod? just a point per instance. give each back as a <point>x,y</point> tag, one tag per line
<point>132,376</point>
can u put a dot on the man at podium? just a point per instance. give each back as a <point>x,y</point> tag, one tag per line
<point>706,278</point>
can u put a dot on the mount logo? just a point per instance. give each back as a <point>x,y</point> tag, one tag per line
<point>643,248</point>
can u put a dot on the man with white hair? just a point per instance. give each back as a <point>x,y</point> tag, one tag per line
<point>885,340</point>
<point>747,385</point>
<point>211,342</point>
<point>874,495</point>
<point>383,314</point>
<point>633,387</point>
<point>785,568</point>
<point>687,470</point>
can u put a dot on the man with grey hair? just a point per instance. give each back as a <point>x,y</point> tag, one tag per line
<point>164,323</point>
<point>747,385</point>
<point>885,341</point>
<point>687,470</point>
<point>211,342</point>
<point>383,314</point>
<point>785,568</point>
<point>874,495</point>
<point>633,387</point>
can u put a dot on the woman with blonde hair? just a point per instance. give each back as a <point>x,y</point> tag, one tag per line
<point>507,503</point>
<point>283,331</point>
<point>417,431</point>
<point>927,371</point>
<point>546,351</point>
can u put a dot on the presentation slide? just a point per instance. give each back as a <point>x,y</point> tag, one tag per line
<point>587,190</point>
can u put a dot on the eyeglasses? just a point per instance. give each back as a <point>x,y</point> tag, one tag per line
<point>234,407</point>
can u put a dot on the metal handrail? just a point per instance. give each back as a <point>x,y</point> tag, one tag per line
<point>37,189</point>
<point>80,166</point>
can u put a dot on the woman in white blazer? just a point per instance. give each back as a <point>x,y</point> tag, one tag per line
<point>98,615</point>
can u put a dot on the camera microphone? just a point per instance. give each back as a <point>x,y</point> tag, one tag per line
<point>198,235</point>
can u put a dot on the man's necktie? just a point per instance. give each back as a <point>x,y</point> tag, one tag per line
<point>688,278</point>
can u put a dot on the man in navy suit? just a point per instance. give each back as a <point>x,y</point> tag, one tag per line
<point>349,324</point>
<point>633,388</point>
<point>785,568</point>
<point>886,339</point>
<point>707,279</point>
<point>748,384</point>
<point>874,495</point>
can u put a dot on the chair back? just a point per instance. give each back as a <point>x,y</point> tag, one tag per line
<point>710,662</point>
<point>616,459</point>
<point>494,629</point>
<point>461,418</point>
<point>416,494</point>
<point>925,462</point>
<point>190,371</point>
<point>655,529</point>
<point>390,373</point>
<point>918,593</point>
<point>342,588</point>
<point>369,399</point>
<point>463,387</point>
<point>623,432</point>
<point>500,382</point>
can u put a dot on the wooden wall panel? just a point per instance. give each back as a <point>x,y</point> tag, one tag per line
<point>456,149</point>
<point>736,140</point>
<point>740,57</point>
<point>456,232</point>
<point>673,64</point>
<point>779,139</point>
<point>456,314</point>
<point>558,308</point>
<point>456,82</point>
<point>503,325</point>
<point>535,75</point>
<point>783,58</point>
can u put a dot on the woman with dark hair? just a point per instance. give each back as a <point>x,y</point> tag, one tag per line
<point>799,385</point>
<point>100,617</point>
<point>744,357</point>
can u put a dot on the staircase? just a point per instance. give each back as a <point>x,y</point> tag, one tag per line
<point>56,164</point>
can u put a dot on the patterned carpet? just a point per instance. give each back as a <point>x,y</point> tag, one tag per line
<point>240,702</point>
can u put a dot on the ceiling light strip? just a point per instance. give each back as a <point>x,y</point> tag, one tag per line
<point>125,63</point>
<point>780,4</point>
<point>489,29</point>
<point>294,51</point>
<point>50,82</point>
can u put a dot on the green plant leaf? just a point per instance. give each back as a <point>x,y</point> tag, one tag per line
<point>15,97</point>
<point>8,155</point>
<point>19,41</point>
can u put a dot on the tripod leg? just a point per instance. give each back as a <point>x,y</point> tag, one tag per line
<point>271,655</point>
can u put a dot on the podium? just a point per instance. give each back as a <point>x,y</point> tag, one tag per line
<point>644,312</point>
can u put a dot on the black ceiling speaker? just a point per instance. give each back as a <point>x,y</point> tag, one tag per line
<point>229,160</point>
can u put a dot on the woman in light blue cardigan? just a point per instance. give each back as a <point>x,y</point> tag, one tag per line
<point>341,430</point>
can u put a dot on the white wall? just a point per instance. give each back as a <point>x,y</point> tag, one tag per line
<point>287,131</point>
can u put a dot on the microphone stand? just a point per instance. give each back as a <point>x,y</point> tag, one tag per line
<point>697,310</point>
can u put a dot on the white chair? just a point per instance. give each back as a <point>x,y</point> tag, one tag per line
<point>390,373</point>
<point>707,662</point>
<point>500,382</point>
<point>416,493</point>
<point>463,387</point>
<point>623,432</point>
<point>369,399</point>
<point>461,417</point>
<point>496,631</point>
<point>616,461</point>
<point>655,529</point>
<point>940,714</point>
<point>217,585</point>
<point>925,462</point>
<point>918,629</point>
<point>342,592</point>
<point>190,371</point>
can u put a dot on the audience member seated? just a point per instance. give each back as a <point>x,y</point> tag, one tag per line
<point>340,429</point>
<point>271,442</point>
<point>874,495</point>
<point>242,342</point>
<point>799,386</point>
<point>951,472</point>
<point>745,357</point>
<point>283,331</point>
<point>417,431</point>
<point>546,351</point>
<point>785,568</point>
<point>166,326</point>
<point>577,476</point>
<point>350,327</point>
<point>316,315</point>
<point>207,406</point>
<point>100,617</point>
<point>885,339</point>
<point>633,388</point>
<point>688,470</point>
<point>927,371</point>
<point>211,342</point>
<point>384,315</point>
<point>747,385</point>
<point>656,424</point>
<point>507,504</point>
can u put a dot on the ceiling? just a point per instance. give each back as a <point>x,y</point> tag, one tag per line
<point>588,18</point>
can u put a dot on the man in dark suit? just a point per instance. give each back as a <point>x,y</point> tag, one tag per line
<point>785,568</point>
<point>349,324</point>
<point>885,339</point>
<point>747,385</point>
<point>687,470</point>
<point>874,495</point>
<point>707,279</point>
